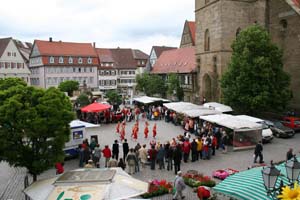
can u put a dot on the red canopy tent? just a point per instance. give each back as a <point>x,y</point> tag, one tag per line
<point>95,107</point>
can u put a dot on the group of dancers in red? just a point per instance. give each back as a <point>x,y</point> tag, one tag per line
<point>135,130</point>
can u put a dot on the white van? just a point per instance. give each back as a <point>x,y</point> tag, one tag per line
<point>267,134</point>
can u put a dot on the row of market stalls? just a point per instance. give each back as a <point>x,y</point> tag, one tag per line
<point>246,133</point>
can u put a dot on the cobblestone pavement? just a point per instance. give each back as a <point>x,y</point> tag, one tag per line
<point>12,179</point>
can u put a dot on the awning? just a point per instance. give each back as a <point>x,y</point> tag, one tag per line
<point>200,112</point>
<point>95,107</point>
<point>231,122</point>
<point>180,107</point>
<point>248,185</point>
<point>147,100</point>
<point>218,106</point>
<point>112,183</point>
<point>78,124</point>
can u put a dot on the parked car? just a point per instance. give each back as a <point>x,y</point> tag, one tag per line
<point>292,122</point>
<point>279,130</point>
<point>267,134</point>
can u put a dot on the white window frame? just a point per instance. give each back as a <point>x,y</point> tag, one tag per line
<point>51,60</point>
<point>79,60</point>
<point>61,60</point>
<point>89,60</point>
<point>70,60</point>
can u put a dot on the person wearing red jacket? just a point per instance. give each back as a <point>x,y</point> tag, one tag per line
<point>59,167</point>
<point>107,154</point>
<point>186,148</point>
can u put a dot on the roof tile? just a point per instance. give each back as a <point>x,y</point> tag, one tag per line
<point>181,60</point>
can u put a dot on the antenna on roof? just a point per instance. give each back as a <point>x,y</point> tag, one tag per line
<point>50,39</point>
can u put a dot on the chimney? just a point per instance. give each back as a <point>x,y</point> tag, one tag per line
<point>94,44</point>
<point>50,39</point>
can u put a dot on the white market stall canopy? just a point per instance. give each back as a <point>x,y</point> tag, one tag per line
<point>200,112</point>
<point>95,183</point>
<point>182,106</point>
<point>218,106</point>
<point>78,123</point>
<point>231,122</point>
<point>146,99</point>
<point>250,118</point>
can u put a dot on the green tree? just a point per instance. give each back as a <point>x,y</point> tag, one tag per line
<point>255,80</point>
<point>113,97</point>
<point>151,84</point>
<point>69,87</point>
<point>83,100</point>
<point>174,86</point>
<point>34,126</point>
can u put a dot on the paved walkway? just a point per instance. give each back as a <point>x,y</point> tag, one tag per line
<point>12,179</point>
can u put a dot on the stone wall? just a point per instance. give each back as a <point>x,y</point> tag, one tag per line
<point>287,36</point>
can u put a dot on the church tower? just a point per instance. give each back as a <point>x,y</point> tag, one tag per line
<point>218,22</point>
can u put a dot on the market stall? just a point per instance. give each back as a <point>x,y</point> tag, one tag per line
<point>200,112</point>
<point>180,107</point>
<point>218,106</point>
<point>95,107</point>
<point>112,183</point>
<point>149,100</point>
<point>246,134</point>
<point>248,184</point>
<point>80,130</point>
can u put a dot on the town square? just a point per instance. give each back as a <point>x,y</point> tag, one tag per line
<point>195,99</point>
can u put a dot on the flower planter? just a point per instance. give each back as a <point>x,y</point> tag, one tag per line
<point>158,188</point>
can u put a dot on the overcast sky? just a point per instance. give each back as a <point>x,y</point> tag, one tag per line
<point>136,24</point>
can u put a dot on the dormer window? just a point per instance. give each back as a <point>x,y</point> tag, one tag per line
<point>89,60</point>
<point>79,60</point>
<point>70,60</point>
<point>61,60</point>
<point>51,59</point>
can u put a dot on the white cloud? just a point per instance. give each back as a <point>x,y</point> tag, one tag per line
<point>131,23</point>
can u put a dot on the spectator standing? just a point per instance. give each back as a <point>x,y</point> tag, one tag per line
<point>194,150</point>
<point>152,154</point>
<point>169,156</point>
<point>115,150</point>
<point>179,186</point>
<point>106,154</point>
<point>81,155</point>
<point>125,149</point>
<point>161,157</point>
<point>131,161</point>
<point>186,149</point>
<point>289,154</point>
<point>177,156</point>
<point>258,152</point>
<point>143,155</point>
<point>122,164</point>
<point>199,148</point>
<point>97,156</point>
<point>224,141</point>
<point>59,166</point>
<point>93,144</point>
<point>136,151</point>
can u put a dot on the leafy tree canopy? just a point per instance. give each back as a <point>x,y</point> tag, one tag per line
<point>174,86</point>
<point>69,86</point>
<point>255,80</point>
<point>83,100</point>
<point>34,126</point>
<point>113,97</point>
<point>151,84</point>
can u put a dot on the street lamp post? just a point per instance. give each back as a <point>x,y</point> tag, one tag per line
<point>271,174</point>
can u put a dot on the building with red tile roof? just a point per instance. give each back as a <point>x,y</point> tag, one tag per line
<point>52,62</point>
<point>188,37</point>
<point>155,52</point>
<point>119,67</point>
<point>13,62</point>
<point>180,61</point>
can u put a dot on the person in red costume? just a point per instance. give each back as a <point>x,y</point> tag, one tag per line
<point>146,130</point>
<point>118,127</point>
<point>154,131</point>
<point>59,166</point>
